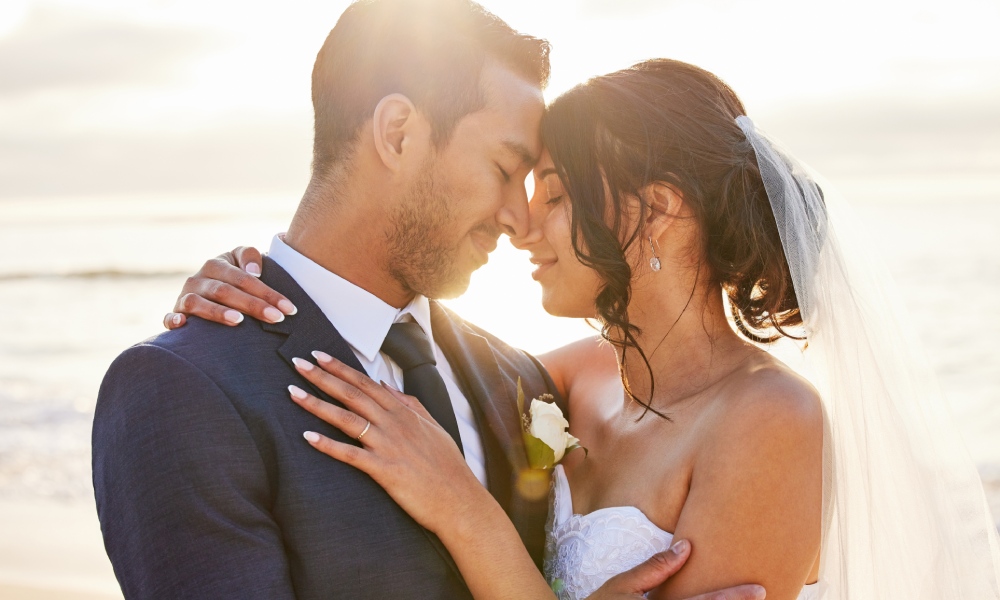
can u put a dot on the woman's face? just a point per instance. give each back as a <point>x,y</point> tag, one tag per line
<point>569,288</point>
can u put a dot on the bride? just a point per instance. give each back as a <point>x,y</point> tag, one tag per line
<point>663,212</point>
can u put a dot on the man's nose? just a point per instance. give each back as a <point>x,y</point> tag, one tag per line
<point>532,234</point>
<point>513,216</point>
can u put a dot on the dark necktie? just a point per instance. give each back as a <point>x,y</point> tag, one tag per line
<point>408,346</point>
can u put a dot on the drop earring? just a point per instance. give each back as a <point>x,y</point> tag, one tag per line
<point>654,263</point>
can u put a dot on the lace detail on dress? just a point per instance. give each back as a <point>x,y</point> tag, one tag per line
<point>583,551</point>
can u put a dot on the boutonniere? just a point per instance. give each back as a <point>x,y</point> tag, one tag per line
<point>544,429</point>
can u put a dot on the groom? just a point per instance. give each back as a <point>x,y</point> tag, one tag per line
<point>426,125</point>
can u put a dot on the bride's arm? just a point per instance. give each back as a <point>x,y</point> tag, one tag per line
<point>420,466</point>
<point>753,510</point>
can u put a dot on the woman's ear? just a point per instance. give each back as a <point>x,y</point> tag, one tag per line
<point>665,204</point>
<point>398,129</point>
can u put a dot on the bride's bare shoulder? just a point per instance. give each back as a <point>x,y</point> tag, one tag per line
<point>589,356</point>
<point>767,399</point>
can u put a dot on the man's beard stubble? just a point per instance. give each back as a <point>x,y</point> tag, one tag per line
<point>422,257</point>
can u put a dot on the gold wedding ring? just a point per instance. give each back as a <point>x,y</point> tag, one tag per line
<point>362,434</point>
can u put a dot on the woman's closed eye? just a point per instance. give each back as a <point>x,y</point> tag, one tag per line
<point>555,200</point>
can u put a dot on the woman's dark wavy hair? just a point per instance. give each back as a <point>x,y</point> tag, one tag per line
<point>667,121</point>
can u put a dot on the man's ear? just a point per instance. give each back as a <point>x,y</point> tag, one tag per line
<point>398,129</point>
<point>665,204</point>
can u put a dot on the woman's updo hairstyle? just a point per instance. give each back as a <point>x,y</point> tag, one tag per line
<point>667,121</point>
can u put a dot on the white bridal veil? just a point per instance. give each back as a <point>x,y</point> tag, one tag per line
<point>904,515</point>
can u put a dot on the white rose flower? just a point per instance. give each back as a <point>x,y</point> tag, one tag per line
<point>549,425</point>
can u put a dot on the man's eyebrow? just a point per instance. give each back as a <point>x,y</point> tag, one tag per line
<point>522,152</point>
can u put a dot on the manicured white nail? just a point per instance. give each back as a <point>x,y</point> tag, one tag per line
<point>302,363</point>
<point>273,315</point>
<point>297,392</point>
<point>321,356</point>
<point>759,593</point>
<point>680,547</point>
<point>233,317</point>
<point>287,307</point>
<point>176,319</point>
<point>311,437</point>
<point>253,269</point>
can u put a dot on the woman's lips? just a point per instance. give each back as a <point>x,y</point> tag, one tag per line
<point>542,265</point>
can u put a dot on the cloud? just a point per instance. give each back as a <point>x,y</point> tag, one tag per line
<point>64,49</point>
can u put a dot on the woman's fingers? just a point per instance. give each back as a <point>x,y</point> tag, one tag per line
<point>249,259</point>
<point>174,320</point>
<point>355,399</point>
<point>223,281</point>
<point>197,306</point>
<point>226,288</point>
<point>344,420</point>
<point>358,458</point>
<point>356,379</point>
<point>410,402</point>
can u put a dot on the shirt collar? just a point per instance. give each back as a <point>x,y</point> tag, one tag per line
<point>420,309</point>
<point>361,318</point>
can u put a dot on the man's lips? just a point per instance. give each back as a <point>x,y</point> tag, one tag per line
<point>542,265</point>
<point>485,243</point>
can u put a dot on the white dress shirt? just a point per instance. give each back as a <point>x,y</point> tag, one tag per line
<point>363,320</point>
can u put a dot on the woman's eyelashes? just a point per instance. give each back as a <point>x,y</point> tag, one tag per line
<point>555,200</point>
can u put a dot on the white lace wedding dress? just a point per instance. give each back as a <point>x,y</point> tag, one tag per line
<point>584,551</point>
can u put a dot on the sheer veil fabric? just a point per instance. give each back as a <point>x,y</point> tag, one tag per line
<point>904,516</point>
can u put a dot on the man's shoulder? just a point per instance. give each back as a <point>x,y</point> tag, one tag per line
<point>514,362</point>
<point>197,354</point>
<point>201,369</point>
<point>204,342</point>
<point>499,346</point>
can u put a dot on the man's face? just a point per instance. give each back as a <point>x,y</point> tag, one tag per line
<point>470,192</point>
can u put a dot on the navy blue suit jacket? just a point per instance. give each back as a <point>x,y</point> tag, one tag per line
<point>206,489</point>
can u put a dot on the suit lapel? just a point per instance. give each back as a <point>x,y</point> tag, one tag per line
<point>471,356</point>
<point>310,330</point>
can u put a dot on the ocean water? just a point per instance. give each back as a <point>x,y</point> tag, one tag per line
<point>81,279</point>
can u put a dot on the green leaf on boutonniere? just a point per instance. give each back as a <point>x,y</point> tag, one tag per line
<point>540,456</point>
<point>520,407</point>
<point>576,447</point>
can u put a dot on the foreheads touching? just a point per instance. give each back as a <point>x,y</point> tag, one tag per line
<point>432,52</point>
<point>427,114</point>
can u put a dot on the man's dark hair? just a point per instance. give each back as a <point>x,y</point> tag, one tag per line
<point>431,51</point>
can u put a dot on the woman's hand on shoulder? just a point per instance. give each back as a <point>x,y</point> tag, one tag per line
<point>401,446</point>
<point>754,506</point>
<point>225,289</point>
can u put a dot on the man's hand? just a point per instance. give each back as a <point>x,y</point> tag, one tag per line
<point>645,577</point>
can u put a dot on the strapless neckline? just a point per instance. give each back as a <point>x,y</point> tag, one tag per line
<point>583,551</point>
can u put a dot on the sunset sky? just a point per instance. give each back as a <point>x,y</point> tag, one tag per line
<point>102,97</point>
